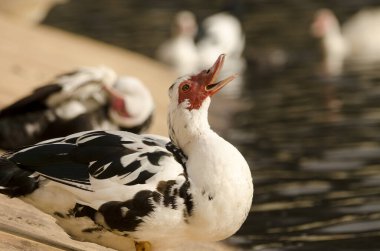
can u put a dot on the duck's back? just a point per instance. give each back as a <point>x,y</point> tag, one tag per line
<point>362,33</point>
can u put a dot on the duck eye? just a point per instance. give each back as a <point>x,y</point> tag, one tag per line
<point>185,87</point>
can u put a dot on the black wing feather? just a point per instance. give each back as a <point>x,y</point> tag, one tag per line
<point>68,171</point>
<point>33,102</point>
<point>53,160</point>
<point>141,179</point>
<point>109,166</point>
<point>78,157</point>
<point>40,155</point>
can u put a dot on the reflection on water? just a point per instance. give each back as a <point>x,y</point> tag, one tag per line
<point>313,141</point>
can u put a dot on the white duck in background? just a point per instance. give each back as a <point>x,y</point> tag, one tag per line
<point>357,40</point>
<point>180,51</point>
<point>221,33</point>
<point>86,99</point>
<point>106,186</point>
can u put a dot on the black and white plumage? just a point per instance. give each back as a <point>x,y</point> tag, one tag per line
<point>86,99</point>
<point>196,186</point>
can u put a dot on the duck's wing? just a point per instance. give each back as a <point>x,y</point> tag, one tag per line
<point>83,160</point>
<point>33,102</point>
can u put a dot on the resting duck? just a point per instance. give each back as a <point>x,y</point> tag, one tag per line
<point>85,99</point>
<point>357,40</point>
<point>111,186</point>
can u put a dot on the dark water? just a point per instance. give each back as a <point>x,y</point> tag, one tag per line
<point>312,141</point>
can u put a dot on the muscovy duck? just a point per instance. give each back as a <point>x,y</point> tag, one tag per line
<point>86,99</point>
<point>111,186</point>
<point>357,40</point>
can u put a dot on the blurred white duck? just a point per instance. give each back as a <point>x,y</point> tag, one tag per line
<point>221,33</point>
<point>180,51</point>
<point>28,11</point>
<point>357,40</point>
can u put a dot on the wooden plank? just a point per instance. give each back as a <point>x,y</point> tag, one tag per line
<point>14,243</point>
<point>22,220</point>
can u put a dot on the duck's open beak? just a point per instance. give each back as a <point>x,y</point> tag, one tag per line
<point>213,87</point>
<point>208,77</point>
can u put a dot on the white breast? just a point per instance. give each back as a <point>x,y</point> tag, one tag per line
<point>223,191</point>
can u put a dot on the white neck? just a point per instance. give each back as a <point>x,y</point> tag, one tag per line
<point>335,49</point>
<point>334,43</point>
<point>187,126</point>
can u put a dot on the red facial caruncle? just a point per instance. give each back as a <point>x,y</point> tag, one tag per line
<point>200,86</point>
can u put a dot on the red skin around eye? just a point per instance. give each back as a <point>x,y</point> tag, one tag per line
<point>196,94</point>
<point>202,85</point>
